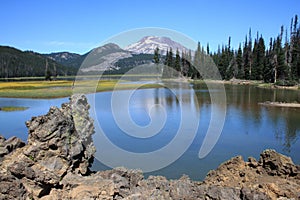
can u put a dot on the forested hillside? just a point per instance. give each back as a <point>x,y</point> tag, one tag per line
<point>16,63</point>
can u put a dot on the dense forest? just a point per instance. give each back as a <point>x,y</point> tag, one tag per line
<point>276,61</point>
<point>16,63</point>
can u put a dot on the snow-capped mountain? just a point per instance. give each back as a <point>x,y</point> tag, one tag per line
<point>148,44</point>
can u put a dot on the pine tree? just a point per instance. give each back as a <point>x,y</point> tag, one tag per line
<point>268,71</point>
<point>156,56</point>
<point>189,64</point>
<point>246,60</point>
<point>170,59</point>
<point>261,56</point>
<point>54,72</point>
<point>197,63</point>
<point>258,59</point>
<point>177,66</point>
<point>166,58</point>
<point>282,68</point>
<point>166,70</point>
<point>207,49</point>
<point>295,50</point>
<point>239,63</point>
<point>47,72</point>
<point>223,63</point>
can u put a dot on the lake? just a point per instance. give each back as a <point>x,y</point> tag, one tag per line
<point>249,128</point>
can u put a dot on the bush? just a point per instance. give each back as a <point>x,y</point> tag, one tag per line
<point>286,83</point>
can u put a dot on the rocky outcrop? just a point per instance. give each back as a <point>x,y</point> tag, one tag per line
<point>55,165</point>
<point>58,143</point>
<point>8,146</point>
<point>274,175</point>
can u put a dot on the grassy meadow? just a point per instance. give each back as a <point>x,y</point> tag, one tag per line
<point>12,108</point>
<point>63,88</point>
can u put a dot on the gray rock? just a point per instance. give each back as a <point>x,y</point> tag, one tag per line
<point>58,143</point>
<point>248,194</point>
<point>8,146</point>
<point>11,187</point>
<point>277,164</point>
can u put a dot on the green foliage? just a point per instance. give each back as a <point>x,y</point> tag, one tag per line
<point>259,56</point>
<point>239,63</point>
<point>286,83</point>
<point>156,56</point>
<point>279,64</point>
<point>16,63</point>
<point>177,65</point>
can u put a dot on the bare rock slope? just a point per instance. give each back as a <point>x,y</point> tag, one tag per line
<point>55,165</point>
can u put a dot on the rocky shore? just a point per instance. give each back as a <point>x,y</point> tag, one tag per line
<point>55,162</point>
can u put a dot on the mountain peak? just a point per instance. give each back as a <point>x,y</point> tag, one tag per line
<point>148,44</point>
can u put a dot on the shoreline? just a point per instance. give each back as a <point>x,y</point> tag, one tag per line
<point>280,104</point>
<point>64,88</point>
<point>55,164</point>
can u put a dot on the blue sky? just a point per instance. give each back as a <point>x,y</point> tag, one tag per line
<point>78,26</point>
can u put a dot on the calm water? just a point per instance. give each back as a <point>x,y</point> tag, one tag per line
<point>249,128</point>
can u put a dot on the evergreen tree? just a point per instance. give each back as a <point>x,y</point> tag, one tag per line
<point>197,63</point>
<point>239,63</point>
<point>166,58</point>
<point>170,59</point>
<point>156,59</point>
<point>207,49</point>
<point>250,58</point>
<point>156,56</point>
<point>268,71</point>
<point>54,72</point>
<point>295,50</point>
<point>246,60</point>
<point>177,66</point>
<point>166,70</point>
<point>47,72</point>
<point>223,63</point>
<point>189,64</point>
<point>258,59</point>
<point>281,68</point>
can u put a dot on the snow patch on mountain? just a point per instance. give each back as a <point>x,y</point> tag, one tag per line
<point>148,44</point>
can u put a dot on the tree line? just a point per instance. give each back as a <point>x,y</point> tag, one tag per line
<point>276,62</point>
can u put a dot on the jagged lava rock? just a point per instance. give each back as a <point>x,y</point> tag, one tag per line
<point>277,164</point>
<point>8,146</point>
<point>58,143</point>
<point>274,175</point>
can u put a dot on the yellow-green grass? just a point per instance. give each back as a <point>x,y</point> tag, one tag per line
<point>273,86</point>
<point>12,108</point>
<point>57,89</point>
